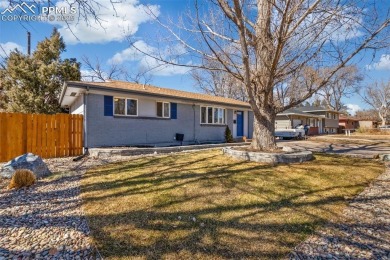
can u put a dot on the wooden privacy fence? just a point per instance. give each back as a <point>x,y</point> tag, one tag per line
<point>45,135</point>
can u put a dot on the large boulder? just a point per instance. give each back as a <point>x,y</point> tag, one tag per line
<point>28,161</point>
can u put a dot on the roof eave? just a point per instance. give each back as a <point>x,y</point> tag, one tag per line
<point>120,90</point>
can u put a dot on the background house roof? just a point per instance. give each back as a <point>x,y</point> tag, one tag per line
<point>294,111</point>
<point>157,91</point>
<point>314,109</point>
<point>343,117</point>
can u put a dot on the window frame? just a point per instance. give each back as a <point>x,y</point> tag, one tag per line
<point>213,111</point>
<point>169,109</point>
<point>125,98</point>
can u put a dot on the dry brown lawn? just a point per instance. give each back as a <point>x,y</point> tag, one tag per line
<point>203,205</point>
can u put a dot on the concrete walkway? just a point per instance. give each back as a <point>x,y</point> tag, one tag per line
<point>368,150</point>
<point>364,232</point>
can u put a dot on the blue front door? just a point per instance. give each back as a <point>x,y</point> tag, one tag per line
<point>240,123</point>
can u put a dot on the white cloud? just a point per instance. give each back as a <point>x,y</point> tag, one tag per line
<point>159,69</point>
<point>147,63</point>
<point>382,64</point>
<point>6,48</point>
<point>131,53</point>
<point>113,25</point>
<point>352,108</point>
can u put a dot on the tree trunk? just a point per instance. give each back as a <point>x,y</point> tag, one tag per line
<point>260,90</point>
<point>383,118</point>
<point>264,130</point>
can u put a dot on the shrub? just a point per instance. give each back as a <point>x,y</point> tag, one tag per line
<point>228,135</point>
<point>22,178</point>
<point>372,131</point>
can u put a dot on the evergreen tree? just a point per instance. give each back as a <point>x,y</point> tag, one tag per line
<point>316,102</point>
<point>324,104</point>
<point>228,135</point>
<point>32,84</point>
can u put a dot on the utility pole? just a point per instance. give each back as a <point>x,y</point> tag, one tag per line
<point>28,43</point>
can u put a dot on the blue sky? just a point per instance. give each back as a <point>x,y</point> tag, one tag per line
<point>112,45</point>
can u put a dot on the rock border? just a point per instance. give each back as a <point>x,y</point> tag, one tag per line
<point>132,151</point>
<point>295,156</point>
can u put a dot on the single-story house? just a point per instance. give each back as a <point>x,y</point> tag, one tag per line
<point>127,114</point>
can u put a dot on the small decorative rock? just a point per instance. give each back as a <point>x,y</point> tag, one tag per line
<point>288,149</point>
<point>28,161</point>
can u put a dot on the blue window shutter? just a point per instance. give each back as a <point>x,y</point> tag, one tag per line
<point>108,105</point>
<point>173,110</point>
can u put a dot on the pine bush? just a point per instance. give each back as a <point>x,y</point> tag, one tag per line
<point>228,135</point>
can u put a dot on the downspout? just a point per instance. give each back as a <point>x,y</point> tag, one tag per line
<point>86,153</point>
<point>194,137</point>
<point>85,121</point>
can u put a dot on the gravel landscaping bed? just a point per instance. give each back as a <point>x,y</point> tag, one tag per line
<point>365,233</point>
<point>45,221</point>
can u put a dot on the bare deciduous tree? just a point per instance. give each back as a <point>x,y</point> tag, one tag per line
<point>344,83</point>
<point>140,76</point>
<point>96,72</point>
<point>274,47</point>
<point>377,96</point>
<point>219,83</point>
<point>370,114</point>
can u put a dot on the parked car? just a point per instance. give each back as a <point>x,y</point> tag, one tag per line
<point>286,134</point>
<point>384,127</point>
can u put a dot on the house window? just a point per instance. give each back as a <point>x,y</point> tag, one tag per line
<point>132,107</point>
<point>203,115</point>
<point>119,104</point>
<point>212,115</point>
<point>209,115</point>
<point>216,115</point>
<point>163,109</point>
<point>220,116</point>
<point>125,106</point>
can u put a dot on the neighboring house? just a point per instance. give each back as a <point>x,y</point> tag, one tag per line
<point>321,120</point>
<point>291,118</point>
<point>368,123</point>
<point>329,123</point>
<point>128,114</point>
<point>349,123</point>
